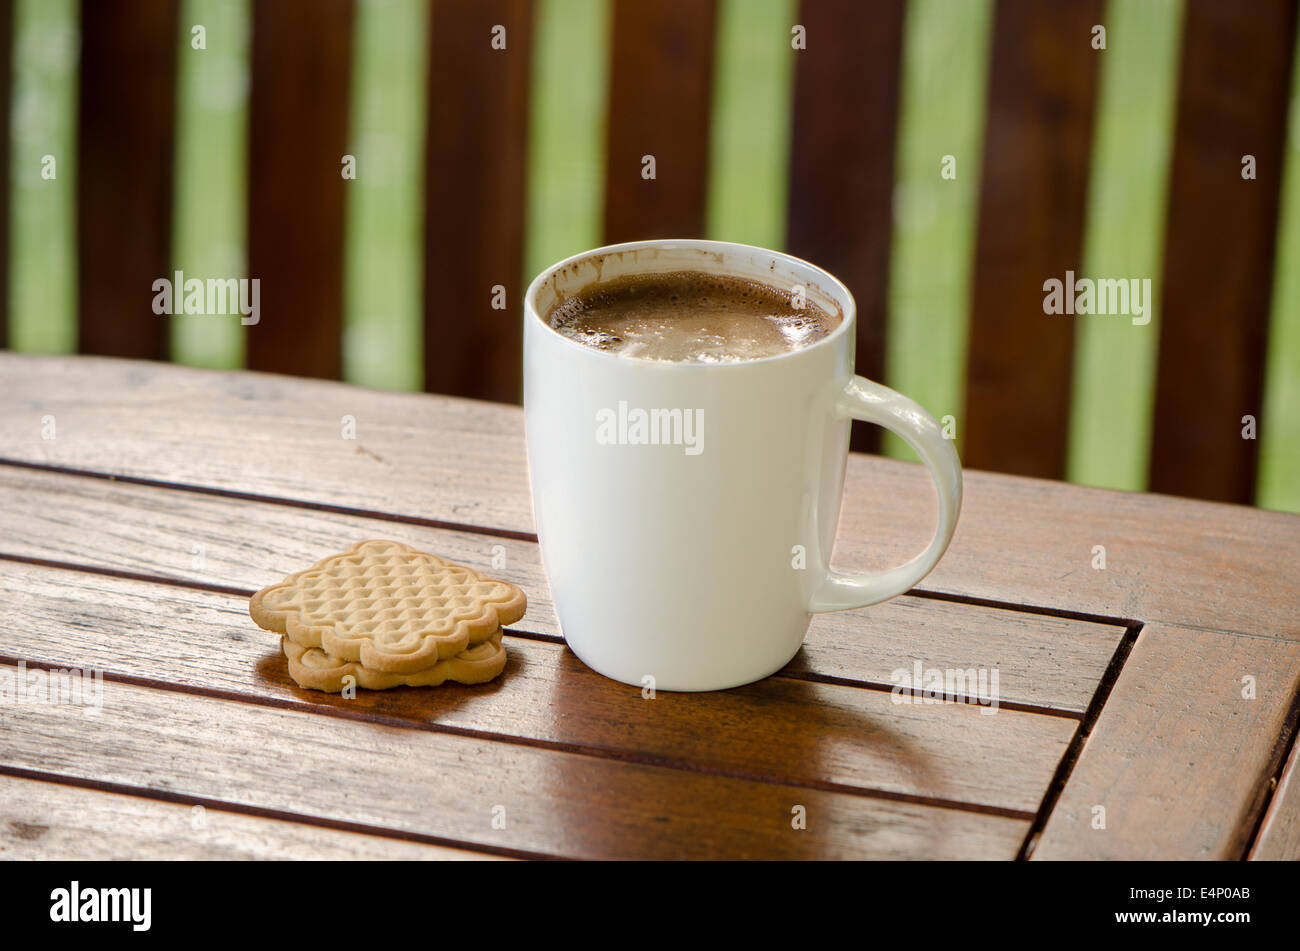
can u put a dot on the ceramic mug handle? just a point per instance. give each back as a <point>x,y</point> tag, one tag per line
<point>872,403</point>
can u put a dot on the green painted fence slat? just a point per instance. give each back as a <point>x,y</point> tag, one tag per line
<point>210,200</point>
<point>1279,425</point>
<point>944,77</point>
<point>749,149</point>
<point>1115,359</point>
<point>383,232</point>
<point>565,190</point>
<point>43,210</point>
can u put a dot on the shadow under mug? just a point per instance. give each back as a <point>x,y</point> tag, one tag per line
<point>687,511</point>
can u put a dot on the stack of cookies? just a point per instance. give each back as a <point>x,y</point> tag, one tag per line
<point>382,614</point>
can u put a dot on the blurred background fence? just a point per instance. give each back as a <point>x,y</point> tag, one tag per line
<point>220,153</point>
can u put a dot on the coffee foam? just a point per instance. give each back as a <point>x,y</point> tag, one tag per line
<point>690,317</point>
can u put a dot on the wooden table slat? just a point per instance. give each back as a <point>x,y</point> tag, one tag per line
<point>778,730</point>
<point>1043,662</point>
<point>1279,834</point>
<point>452,787</point>
<point>1180,759</point>
<point>1020,540</point>
<point>54,821</point>
<point>137,523</point>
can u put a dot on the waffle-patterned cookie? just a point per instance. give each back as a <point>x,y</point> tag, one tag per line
<point>314,669</point>
<point>388,607</point>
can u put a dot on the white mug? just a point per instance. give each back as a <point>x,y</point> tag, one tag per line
<point>687,511</point>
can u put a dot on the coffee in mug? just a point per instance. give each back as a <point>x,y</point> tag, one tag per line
<point>691,316</point>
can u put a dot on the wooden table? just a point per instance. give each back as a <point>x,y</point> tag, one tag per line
<point>1147,708</point>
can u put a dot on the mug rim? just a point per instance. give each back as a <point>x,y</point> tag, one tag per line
<point>833,285</point>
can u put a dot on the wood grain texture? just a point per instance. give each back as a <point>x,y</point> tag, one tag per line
<point>1030,541</point>
<point>661,76</point>
<point>298,129</point>
<point>57,822</point>
<point>446,787</point>
<point>124,173</point>
<point>780,730</point>
<point>1179,759</point>
<point>1233,100</point>
<point>6,68</point>
<point>1047,662</point>
<point>842,160</point>
<point>1279,834</point>
<point>1175,748</point>
<point>474,197</point>
<point>1021,541</point>
<point>1035,174</point>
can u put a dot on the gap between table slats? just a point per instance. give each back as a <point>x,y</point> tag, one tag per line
<point>1277,837</point>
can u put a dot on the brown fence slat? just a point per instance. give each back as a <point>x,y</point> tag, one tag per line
<point>6,68</point>
<point>1035,174</point>
<point>661,77</point>
<point>477,133</point>
<point>1232,102</point>
<point>842,160</point>
<point>298,136</point>
<point>124,174</point>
